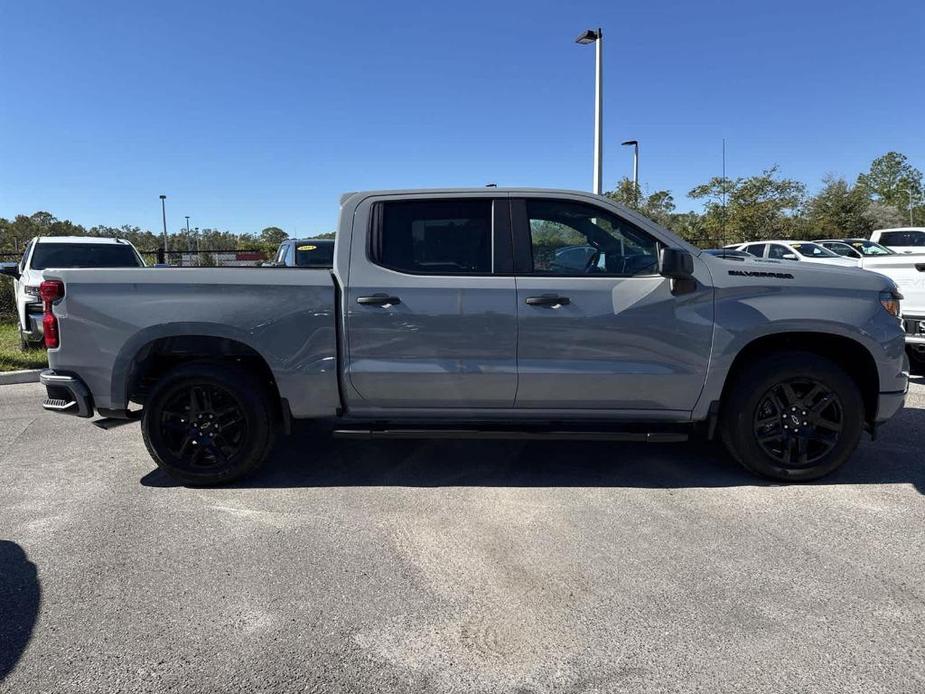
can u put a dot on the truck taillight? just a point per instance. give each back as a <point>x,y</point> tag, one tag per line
<point>50,291</point>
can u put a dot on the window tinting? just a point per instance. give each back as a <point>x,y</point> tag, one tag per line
<point>573,239</point>
<point>73,255</point>
<point>756,249</point>
<point>903,238</point>
<point>314,253</point>
<point>778,252</point>
<point>442,237</point>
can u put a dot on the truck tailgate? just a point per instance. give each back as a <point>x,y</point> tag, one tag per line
<point>287,316</point>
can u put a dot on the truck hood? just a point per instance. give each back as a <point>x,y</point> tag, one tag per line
<point>803,274</point>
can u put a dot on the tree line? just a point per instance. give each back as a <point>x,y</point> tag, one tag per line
<point>15,234</point>
<point>768,206</point>
<point>762,206</point>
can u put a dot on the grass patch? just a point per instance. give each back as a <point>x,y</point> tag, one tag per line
<point>12,357</point>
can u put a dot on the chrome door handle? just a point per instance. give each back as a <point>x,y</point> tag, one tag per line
<point>551,300</point>
<point>378,300</point>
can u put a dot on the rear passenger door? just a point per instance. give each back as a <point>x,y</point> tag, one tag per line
<point>430,305</point>
<point>610,335</point>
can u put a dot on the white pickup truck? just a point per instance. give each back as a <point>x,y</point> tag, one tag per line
<point>61,252</point>
<point>449,313</point>
<point>906,269</point>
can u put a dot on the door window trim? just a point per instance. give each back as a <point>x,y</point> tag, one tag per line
<point>523,241</point>
<point>501,237</point>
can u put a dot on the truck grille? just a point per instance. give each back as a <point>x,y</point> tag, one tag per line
<point>914,327</point>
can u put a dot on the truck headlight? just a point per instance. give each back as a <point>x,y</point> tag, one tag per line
<point>890,302</point>
<point>31,290</point>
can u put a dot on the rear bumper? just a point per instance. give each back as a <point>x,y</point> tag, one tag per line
<point>66,394</point>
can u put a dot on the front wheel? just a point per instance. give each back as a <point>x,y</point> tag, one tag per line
<point>207,423</point>
<point>794,416</point>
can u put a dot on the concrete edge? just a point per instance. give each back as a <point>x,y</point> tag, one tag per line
<point>26,376</point>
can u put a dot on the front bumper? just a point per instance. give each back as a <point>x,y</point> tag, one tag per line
<point>66,394</point>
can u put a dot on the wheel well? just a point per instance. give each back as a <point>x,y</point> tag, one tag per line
<point>160,356</point>
<point>850,355</point>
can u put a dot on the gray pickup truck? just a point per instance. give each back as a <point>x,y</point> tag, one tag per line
<point>468,313</point>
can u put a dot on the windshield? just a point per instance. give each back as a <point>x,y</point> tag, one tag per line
<point>76,255</point>
<point>314,253</point>
<point>812,250</point>
<point>871,248</point>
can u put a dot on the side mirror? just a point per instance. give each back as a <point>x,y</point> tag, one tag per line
<point>676,264</point>
<point>10,270</point>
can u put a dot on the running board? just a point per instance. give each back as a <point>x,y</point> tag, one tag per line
<point>635,436</point>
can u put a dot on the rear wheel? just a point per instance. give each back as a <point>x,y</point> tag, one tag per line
<point>207,423</point>
<point>794,416</point>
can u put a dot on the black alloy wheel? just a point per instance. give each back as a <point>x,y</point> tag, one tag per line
<point>797,422</point>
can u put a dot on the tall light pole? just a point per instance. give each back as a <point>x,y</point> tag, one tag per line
<point>910,205</point>
<point>597,38</point>
<point>164,218</point>
<point>635,144</point>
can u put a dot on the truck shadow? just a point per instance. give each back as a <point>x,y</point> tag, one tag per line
<point>308,459</point>
<point>20,596</point>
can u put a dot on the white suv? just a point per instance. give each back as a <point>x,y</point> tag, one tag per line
<point>59,252</point>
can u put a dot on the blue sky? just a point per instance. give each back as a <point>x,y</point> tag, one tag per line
<point>248,114</point>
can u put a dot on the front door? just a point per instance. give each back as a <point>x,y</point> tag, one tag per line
<point>605,333</point>
<point>431,312</point>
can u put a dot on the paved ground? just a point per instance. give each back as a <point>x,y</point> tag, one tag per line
<point>455,567</point>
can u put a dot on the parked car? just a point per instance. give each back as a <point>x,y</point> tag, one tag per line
<point>317,253</point>
<point>44,252</point>
<point>855,248</point>
<point>902,239</point>
<point>907,270</point>
<point>793,250</point>
<point>436,321</point>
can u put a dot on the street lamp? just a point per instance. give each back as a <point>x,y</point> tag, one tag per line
<point>597,38</point>
<point>635,144</point>
<point>164,217</point>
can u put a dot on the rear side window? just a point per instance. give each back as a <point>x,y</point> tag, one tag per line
<point>756,249</point>
<point>433,237</point>
<point>75,255</point>
<point>314,254</point>
<point>903,238</point>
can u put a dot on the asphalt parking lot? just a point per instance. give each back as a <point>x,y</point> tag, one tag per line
<point>455,567</point>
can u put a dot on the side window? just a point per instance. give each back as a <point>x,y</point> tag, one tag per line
<point>903,238</point>
<point>756,249</point>
<point>287,255</point>
<point>569,238</point>
<point>434,237</point>
<point>281,254</point>
<point>777,251</point>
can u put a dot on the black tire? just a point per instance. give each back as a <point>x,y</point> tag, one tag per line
<point>229,434</point>
<point>793,416</point>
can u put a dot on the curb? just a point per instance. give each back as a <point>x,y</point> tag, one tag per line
<point>27,376</point>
